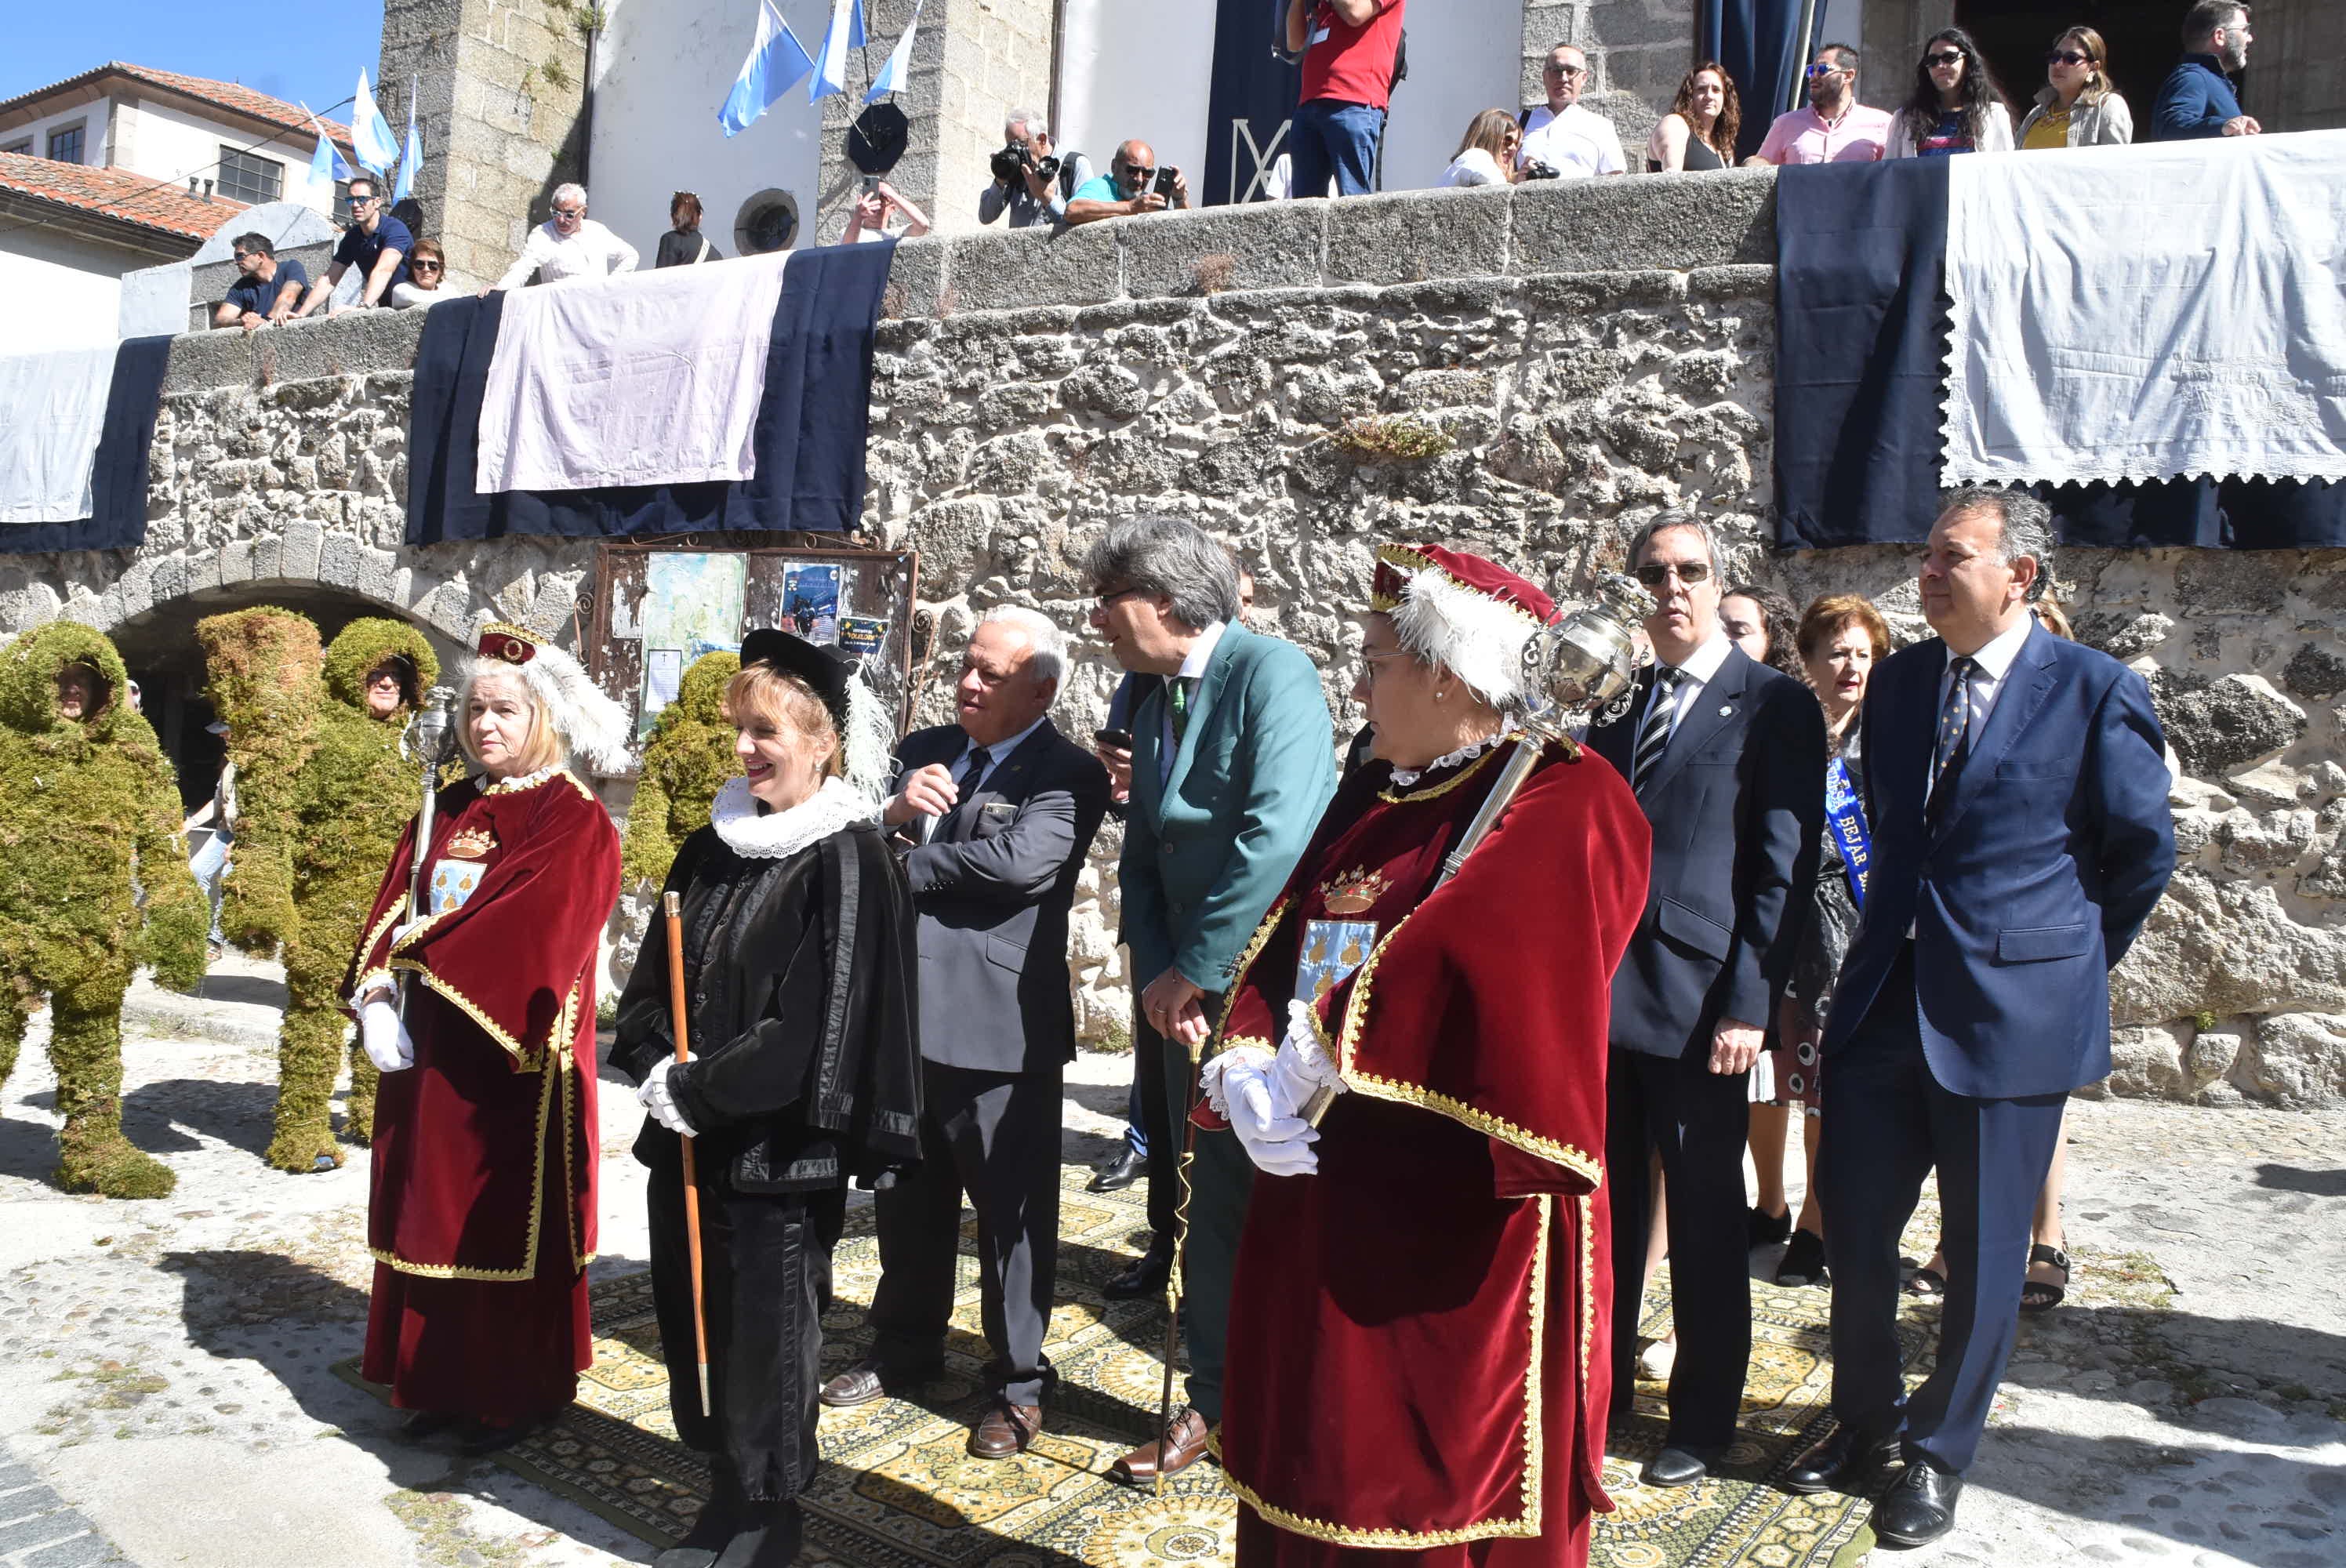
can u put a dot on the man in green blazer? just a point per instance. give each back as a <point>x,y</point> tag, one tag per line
<point>1233,760</point>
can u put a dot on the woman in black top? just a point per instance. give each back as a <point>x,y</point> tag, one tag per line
<point>682,245</point>
<point>1698,133</point>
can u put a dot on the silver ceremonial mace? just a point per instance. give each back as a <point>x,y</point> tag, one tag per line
<point>427,741</point>
<point>1580,665</point>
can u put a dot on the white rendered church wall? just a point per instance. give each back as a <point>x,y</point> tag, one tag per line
<point>77,283</point>
<point>1144,71</point>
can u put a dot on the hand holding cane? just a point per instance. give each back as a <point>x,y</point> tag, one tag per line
<point>676,1013</point>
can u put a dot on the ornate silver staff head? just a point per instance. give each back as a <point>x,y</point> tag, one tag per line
<point>1583,664</point>
<point>430,738</point>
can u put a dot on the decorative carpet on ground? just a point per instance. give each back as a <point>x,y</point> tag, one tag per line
<point>900,1491</point>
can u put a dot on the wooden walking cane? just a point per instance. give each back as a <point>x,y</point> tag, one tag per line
<point>1173,1276</point>
<point>676,1014</point>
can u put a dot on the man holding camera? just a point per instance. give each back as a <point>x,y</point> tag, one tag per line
<point>1134,183</point>
<point>1564,137</point>
<point>1030,182</point>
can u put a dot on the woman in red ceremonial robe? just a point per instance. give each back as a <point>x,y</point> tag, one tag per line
<point>1418,1326</point>
<point>481,1211</point>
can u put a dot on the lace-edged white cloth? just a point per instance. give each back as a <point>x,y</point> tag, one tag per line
<point>1403,777</point>
<point>734,814</point>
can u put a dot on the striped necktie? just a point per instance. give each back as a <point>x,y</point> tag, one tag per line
<point>1654,733</point>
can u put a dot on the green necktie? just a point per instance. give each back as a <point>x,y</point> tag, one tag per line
<point>1177,697</point>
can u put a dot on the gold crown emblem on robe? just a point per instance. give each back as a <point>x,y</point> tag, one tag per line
<point>1355,892</point>
<point>470,844</point>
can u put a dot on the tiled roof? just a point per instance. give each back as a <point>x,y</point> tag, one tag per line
<point>117,193</point>
<point>233,95</point>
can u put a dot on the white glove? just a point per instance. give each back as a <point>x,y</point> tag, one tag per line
<point>1301,1068</point>
<point>1244,1090</point>
<point>660,1100</point>
<point>384,1037</point>
<point>404,927</point>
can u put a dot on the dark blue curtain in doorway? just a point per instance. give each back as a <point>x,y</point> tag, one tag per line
<point>1251,95</point>
<point>1760,43</point>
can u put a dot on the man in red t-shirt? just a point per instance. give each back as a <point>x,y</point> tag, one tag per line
<point>1348,49</point>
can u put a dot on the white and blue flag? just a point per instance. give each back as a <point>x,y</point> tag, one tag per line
<point>845,32</point>
<point>411,156</point>
<point>371,134</point>
<point>892,74</point>
<point>327,165</point>
<point>776,64</point>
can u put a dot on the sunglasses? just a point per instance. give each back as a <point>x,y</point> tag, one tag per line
<point>1816,71</point>
<point>2067,57</point>
<point>424,266</point>
<point>1944,57</point>
<point>1688,572</point>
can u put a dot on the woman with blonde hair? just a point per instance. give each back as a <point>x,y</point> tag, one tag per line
<point>1698,133</point>
<point>1487,153</point>
<point>481,1206</point>
<point>2077,107</point>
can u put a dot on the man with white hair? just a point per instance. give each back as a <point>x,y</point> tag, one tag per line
<point>999,810</point>
<point>1030,182</point>
<point>569,245</point>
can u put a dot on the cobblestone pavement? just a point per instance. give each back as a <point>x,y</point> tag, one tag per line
<point>166,1382</point>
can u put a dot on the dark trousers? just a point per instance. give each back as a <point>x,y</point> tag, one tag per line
<point>1221,1180</point>
<point>765,1283</point>
<point>1697,1119</point>
<point>1886,1123</point>
<point>995,1136</point>
<point>1157,1117</point>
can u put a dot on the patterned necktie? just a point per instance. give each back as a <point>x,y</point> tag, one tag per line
<point>1954,724</point>
<point>972,771</point>
<point>1654,733</point>
<point>1176,700</point>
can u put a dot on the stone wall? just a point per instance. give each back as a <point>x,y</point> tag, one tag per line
<point>1562,359</point>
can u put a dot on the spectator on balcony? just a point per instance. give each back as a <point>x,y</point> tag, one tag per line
<point>376,243</point>
<point>569,245</point>
<point>1349,50</point>
<point>1565,136</point>
<point>427,272</point>
<point>1130,187</point>
<point>1487,155</point>
<point>1955,107</point>
<point>1039,192</point>
<point>2077,107</point>
<point>868,220</point>
<point>1834,127</point>
<point>266,290</point>
<point>2197,99</point>
<point>1698,133</point>
<point>683,245</point>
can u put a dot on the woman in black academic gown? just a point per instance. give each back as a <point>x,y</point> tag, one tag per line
<point>799,959</point>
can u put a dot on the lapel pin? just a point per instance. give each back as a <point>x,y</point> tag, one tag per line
<point>1725,710</point>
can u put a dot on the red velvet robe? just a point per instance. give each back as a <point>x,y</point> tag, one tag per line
<point>480,1212</point>
<point>1418,1364</point>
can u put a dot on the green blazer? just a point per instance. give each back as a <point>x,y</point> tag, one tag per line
<point>1208,849</point>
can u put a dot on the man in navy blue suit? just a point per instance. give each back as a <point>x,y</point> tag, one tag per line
<point>1727,759</point>
<point>2018,788</point>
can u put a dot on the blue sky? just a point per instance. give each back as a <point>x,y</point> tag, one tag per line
<point>316,59</point>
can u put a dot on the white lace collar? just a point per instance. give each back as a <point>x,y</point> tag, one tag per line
<point>736,816</point>
<point>515,784</point>
<point>1403,778</point>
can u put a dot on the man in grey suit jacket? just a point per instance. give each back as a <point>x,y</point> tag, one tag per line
<point>998,810</point>
<point>1233,761</point>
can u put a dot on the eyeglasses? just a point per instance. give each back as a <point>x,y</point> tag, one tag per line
<point>1688,572</point>
<point>2066,57</point>
<point>1555,70</point>
<point>424,266</point>
<point>1371,663</point>
<point>1138,171</point>
<point>572,213</point>
<point>359,201</point>
<point>1944,57</point>
<point>1816,71</point>
<point>1106,600</point>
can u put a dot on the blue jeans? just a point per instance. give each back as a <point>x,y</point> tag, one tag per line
<point>1328,138</point>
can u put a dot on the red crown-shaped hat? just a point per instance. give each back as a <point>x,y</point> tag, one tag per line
<point>514,645</point>
<point>1397,563</point>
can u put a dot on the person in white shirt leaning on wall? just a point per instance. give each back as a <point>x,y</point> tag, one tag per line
<point>569,245</point>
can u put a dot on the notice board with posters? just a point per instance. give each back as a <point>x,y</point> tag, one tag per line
<point>661,604</point>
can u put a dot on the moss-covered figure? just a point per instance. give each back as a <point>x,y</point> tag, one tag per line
<point>356,794</point>
<point>264,665</point>
<point>94,881</point>
<point>688,756</point>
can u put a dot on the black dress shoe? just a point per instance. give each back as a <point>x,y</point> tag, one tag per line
<point>770,1537</point>
<point>423,1424</point>
<point>1919,1507</point>
<point>486,1438</point>
<point>1676,1466</point>
<point>1127,1166</point>
<point>1766,1229</point>
<point>1847,1460</point>
<point>1803,1262</point>
<point>1146,1276</point>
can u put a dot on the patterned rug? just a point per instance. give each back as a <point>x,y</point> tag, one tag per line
<point>900,1491</point>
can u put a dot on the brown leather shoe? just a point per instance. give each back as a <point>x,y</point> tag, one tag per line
<point>1183,1445</point>
<point>869,1379</point>
<point>1004,1431</point>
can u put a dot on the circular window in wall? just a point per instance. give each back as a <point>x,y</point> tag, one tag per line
<point>769,222</point>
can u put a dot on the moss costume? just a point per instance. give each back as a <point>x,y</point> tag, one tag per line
<point>354,798</point>
<point>94,881</point>
<point>264,665</point>
<point>688,755</point>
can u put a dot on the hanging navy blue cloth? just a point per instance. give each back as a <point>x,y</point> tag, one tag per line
<point>118,476</point>
<point>1760,43</point>
<point>1860,325</point>
<point>1253,84</point>
<point>809,436</point>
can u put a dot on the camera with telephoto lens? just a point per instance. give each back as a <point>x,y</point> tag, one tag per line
<point>1535,169</point>
<point>1015,159</point>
